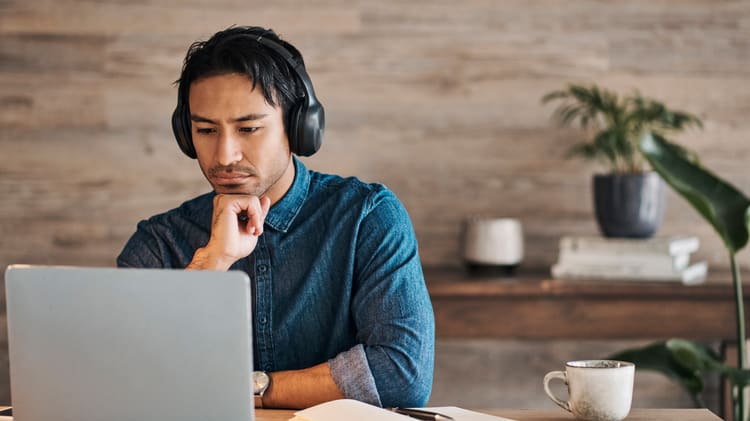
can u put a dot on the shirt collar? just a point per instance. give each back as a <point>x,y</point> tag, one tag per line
<point>282,214</point>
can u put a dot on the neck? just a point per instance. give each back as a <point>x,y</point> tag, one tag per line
<point>283,184</point>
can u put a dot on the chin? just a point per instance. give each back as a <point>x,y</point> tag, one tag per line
<point>237,189</point>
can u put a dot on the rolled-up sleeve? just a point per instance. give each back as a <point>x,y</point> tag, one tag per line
<point>392,311</point>
<point>351,373</point>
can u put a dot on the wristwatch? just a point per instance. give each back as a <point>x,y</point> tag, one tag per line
<point>261,381</point>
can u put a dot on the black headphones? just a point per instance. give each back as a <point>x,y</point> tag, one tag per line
<point>306,119</point>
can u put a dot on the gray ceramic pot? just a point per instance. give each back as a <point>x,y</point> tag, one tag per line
<point>629,205</point>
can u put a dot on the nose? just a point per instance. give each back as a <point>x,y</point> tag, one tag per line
<point>228,149</point>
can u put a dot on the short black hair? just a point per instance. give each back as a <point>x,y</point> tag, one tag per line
<point>237,50</point>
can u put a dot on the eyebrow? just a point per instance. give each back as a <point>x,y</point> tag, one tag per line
<point>249,117</point>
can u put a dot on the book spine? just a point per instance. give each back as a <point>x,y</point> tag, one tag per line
<point>619,271</point>
<point>653,261</point>
<point>674,246</point>
<point>693,273</point>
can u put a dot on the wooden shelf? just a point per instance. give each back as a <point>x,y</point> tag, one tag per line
<point>533,306</point>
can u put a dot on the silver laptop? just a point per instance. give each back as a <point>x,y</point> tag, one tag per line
<point>93,344</point>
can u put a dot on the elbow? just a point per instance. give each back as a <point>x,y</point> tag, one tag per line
<point>408,388</point>
<point>412,396</point>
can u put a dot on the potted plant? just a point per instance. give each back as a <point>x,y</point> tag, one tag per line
<point>628,199</point>
<point>728,211</point>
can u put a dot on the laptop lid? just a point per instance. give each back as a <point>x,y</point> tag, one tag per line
<point>92,344</point>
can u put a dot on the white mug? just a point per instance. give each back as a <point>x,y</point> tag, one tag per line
<point>598,390</point>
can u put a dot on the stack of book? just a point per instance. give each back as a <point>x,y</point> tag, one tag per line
<point>653,259</point>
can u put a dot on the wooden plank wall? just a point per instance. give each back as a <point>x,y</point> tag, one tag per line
<point>437,99</point>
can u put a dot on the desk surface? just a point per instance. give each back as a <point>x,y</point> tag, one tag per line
<point>533,306</point>
<point>549,415</point>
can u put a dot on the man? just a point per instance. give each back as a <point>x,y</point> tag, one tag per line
<point>340,305</point>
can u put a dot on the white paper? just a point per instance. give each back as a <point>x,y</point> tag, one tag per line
<point>348,410</point>
<point>460,414</point>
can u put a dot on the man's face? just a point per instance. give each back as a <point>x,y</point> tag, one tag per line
<point>239,138</point>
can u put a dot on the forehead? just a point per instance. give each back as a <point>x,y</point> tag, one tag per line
<point>224,92</point>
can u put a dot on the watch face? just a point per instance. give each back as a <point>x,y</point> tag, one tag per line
<point>260,382</point>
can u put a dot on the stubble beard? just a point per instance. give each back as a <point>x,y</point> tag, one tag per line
<point>256,185</point>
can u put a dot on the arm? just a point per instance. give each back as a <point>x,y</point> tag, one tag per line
<point>393,363</point>
<point>392,311</point>
<point>231,238</point>
<point>301,388</point>
<point>142,250</point>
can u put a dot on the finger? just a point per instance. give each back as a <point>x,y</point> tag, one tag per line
<point>223,213</point>
<point>232,210</point>
<point>246,210</point>
<point>257,217</point>
<point>252,211</point>
<point>265,205</point>
<point>246,225</point>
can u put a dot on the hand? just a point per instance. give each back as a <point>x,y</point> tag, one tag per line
<point>236,224</point>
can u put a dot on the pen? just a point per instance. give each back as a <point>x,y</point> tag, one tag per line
<point>421,414</point>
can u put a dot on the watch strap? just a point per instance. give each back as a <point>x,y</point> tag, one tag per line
<point>258,393</point>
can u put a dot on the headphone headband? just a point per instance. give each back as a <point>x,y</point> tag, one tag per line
<point>296,65</point>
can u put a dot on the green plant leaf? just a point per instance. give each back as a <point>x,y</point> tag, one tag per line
<point>584,150</point>
<point>736,376</point>
<point>720,203</point>
<point>605,143</point>
<point>566,114</point>
<point>554,95</point>
<point>693,356</point>
<point>660,357</point>
<point>685,362</point>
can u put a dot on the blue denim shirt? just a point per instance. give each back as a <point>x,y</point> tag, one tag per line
<point>335,277</point>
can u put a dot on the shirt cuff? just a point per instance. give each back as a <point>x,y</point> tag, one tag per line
<point>352,375</point>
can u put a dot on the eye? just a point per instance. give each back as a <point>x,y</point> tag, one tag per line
<point>249,129</point>
<point>205,130</point>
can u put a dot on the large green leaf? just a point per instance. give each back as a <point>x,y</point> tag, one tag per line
<point>685,362</point>
<point>659,357</point>
<point>720,203</point>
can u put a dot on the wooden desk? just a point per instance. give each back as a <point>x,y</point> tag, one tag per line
<point>532,306</point>
<point>548,415</point>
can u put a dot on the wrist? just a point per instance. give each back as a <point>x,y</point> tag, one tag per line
<point>205,259</point>
<point>261,388</point>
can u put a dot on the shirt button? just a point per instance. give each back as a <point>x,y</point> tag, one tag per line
<point>262,268</point>
<point>263,320</point>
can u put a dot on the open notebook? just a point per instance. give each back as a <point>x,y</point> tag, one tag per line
<point>347,410</point>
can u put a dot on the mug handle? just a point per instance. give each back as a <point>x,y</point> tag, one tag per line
<point>556,375</point>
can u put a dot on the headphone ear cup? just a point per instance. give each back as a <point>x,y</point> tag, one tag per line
<point>306,125</point>
<point>313,122</point>
<point>294,132</point>
<point>181,129</point>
